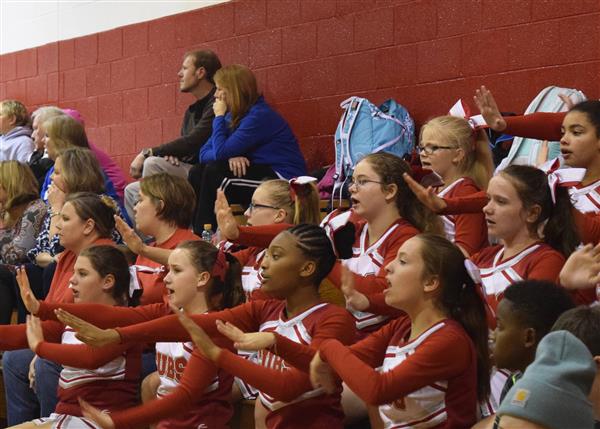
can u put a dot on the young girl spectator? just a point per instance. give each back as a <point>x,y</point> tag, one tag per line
<point>15,133</point>
<point>163,211</point>
<point>249,142</point>
<point>107,378</point>
<point>435,363</point>
<point>86,219</point>
<point>22,216</point>
<point>460,156</point>
<point>294,266</point>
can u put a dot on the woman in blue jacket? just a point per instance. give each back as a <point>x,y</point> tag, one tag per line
<point>250,142</point>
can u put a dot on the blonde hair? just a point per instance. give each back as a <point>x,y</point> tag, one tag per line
<point>21,187</point>
<point>17,109</point>
<point>242,90</point>
<point>477,162</point>
<point>65,132</point>
<point>303,209</point>
<point>81,171</point>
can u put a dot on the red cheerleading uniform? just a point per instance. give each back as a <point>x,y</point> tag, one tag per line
<point>193,391</point>
<point>427,382</point>
<point>538,261</point>
<point>106,377</point>
<point>466,230</point>
<point>368,263</point>
<point>278,383</point>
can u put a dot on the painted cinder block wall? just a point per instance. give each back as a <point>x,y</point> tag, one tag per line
<point>309,56</point>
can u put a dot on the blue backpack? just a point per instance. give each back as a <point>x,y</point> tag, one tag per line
<point>364,129</point>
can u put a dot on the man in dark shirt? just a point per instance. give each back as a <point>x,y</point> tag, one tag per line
<point>177,157</point>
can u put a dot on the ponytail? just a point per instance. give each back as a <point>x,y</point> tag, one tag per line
<point>306,204</point>
<point>460,298</point>
<point>230,290</point>
<point>482,166</point>
<point>300,203</point>
<point>560,231</point>
<point>555,223</point>
<point>224,291</point>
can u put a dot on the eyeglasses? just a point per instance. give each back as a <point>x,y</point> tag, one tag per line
<point>253,206</point>
<point>432,148</point>
<point>359,183</point>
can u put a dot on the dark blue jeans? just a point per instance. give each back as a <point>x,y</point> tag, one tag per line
<point>22,403</point>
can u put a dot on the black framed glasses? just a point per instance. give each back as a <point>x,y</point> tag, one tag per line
<point>253,206</point>
<point>432,148</point>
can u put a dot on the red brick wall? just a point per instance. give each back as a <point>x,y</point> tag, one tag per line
<point>310,55</point>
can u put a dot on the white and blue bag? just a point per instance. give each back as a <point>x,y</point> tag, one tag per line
<point>364,129</point>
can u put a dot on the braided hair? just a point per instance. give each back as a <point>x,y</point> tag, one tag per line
<point>314,244</point>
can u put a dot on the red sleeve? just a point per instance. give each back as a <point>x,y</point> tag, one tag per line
<point>340,326</point>
<point>288,384</point>
<point>168,329</point>
<point>371,349</point>
<point>14,337</point>
<point>197,375</point>
<point>470,232</point>
<point>375,283</point>
<point>588,226</point>
<point>242,255</point>
<point>440,357</point>
<point>260,236</point>
<point>540,125</point>
<point>377,305</point>
<point>299,355</point>
<point>367,349</point>
<point>283,385</point>
<point>473,203</point>
<point>106,316</point>
<point>79,355</point>
<point>470,229</point>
